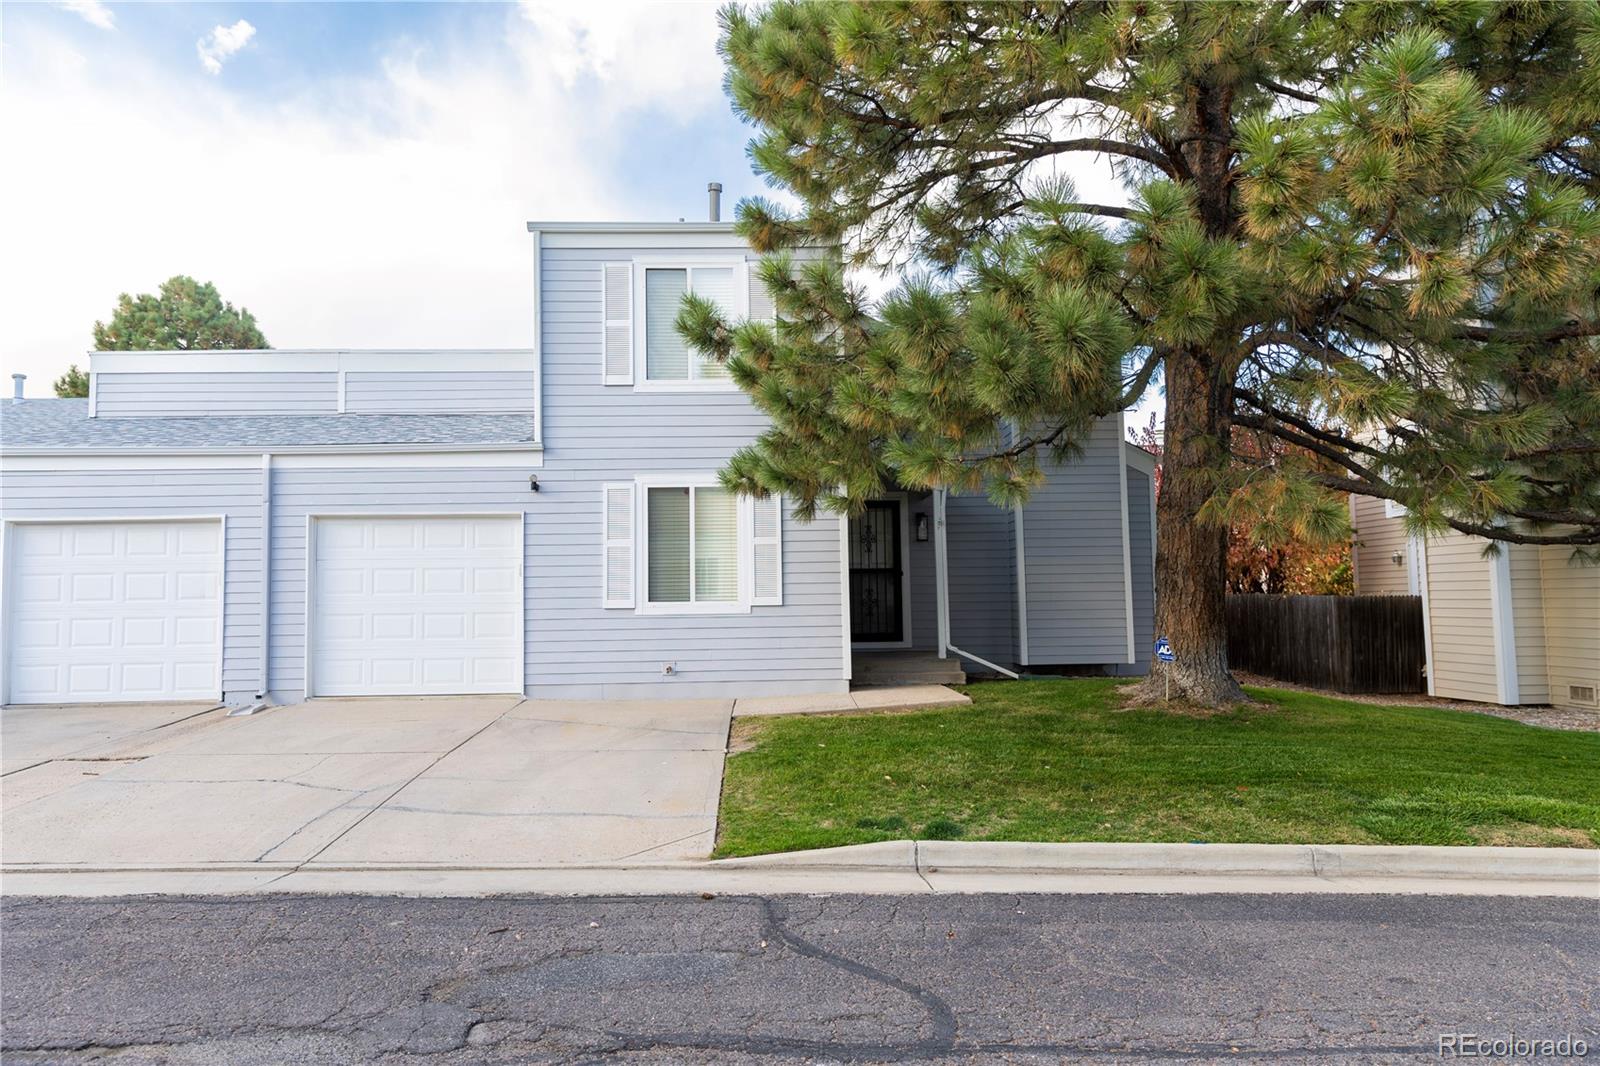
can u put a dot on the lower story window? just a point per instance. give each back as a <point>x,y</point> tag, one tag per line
<point>692,537</point>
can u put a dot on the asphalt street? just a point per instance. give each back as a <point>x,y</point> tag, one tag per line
<point>1280,978</point>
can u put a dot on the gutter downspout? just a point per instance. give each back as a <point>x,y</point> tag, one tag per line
<point>941,556</point>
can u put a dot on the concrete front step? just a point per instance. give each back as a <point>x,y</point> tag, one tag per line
<point>909,677</point>
<point>905,668</point>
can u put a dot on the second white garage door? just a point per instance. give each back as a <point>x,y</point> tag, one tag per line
<point>416,606</point>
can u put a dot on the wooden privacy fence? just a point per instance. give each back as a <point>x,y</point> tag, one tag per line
<point>1344,643</point>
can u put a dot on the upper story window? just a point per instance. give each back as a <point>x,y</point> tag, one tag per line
<point>640,301</point>
<point>666,356</point>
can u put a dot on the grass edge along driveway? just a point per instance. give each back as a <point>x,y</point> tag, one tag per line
<point>1061,760</point>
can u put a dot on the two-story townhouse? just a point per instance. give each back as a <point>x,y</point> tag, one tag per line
<point>289,524</point>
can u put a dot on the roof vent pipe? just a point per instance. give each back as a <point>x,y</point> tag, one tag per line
<point>16,387</point>
<point>715,189</point>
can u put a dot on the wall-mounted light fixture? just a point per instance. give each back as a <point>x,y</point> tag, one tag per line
<point>922,527</point>
<point>533,482</point>
<point>1398,558</point>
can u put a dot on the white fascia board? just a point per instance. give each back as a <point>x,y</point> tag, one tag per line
<point>538,337</point>
<point>362,457</point>
<point>630,227</point>
<point>329,360</point>
<point>636,239</point>
<point>1138,458</point>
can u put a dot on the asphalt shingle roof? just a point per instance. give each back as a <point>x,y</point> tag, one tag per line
<point>66,424</point>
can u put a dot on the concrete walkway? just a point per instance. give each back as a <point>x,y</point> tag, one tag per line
<point>409,782</point>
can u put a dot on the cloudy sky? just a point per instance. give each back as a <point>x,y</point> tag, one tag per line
<point>357,175</point>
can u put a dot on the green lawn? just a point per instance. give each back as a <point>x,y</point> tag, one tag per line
<point>1059,760</point>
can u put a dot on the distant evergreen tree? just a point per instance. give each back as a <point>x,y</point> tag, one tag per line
<point>74,384</point>
<point>1365,230</point>
<point>185,315</point>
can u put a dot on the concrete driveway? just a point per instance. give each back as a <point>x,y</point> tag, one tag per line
<point>472,781</point>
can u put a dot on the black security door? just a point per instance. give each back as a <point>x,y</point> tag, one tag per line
<point>876,609</point>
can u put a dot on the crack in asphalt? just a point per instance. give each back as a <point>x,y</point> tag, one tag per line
<point>775,916</point>
<point>466,1008</point>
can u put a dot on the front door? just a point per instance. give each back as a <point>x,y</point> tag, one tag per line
<point>877,608</point>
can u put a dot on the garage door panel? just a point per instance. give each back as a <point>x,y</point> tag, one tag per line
<point>90,632</point>
<point>115,611</point>
<point>400,605</point>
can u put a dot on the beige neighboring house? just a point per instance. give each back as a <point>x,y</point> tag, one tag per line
<point>1522,626</point>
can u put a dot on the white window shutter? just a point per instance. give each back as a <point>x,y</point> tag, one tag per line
<point>618,545</point>
<point>767,551</point>
<point>616,283</point>
<point>762,307</point>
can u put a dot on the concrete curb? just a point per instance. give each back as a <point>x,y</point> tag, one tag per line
<point>901,866</point>
<point>1230,860</point>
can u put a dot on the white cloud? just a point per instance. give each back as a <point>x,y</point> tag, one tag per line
<point>383,210</point>
<point>222,42</point>
<point>93,12</point>
<point>643,46</point>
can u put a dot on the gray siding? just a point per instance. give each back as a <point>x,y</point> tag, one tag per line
<point>983,579</point>
<point>1072,534</point>
<point>227,393</point>
<point>1141,545</point>
<point>594,434</point>
<point>433,392</point>
<point>235,494</point>
<point>573,646</point>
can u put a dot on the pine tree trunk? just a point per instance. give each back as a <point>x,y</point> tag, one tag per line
<point>1191,556</point>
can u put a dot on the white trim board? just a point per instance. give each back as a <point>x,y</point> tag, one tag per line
<point>350,457</point>
<point>312,360</point>
<point>1507,683</point>
<point>538,334</point>
<point>1427,615</point>
<point>1127,539</point>
<point>844,594</point>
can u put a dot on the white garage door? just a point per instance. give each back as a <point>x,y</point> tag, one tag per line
<point>405,606</point>
<point>114,612</point>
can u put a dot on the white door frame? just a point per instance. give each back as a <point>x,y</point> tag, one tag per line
<point>904,500</point>
<point>522,580</point>
<point>7,551</point>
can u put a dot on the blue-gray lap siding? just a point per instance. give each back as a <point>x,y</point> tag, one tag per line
<point>146,394</point>
<point>132,394</point>
<point>983,579</point>
<point>1074,565</point>
<point>594,434</point>
<point>433,392</point>
<point>233,493</point>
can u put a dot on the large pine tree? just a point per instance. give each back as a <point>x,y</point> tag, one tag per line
<point>1365,230</point>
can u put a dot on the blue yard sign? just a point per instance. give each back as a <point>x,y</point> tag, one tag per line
<point>1164,650</point>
